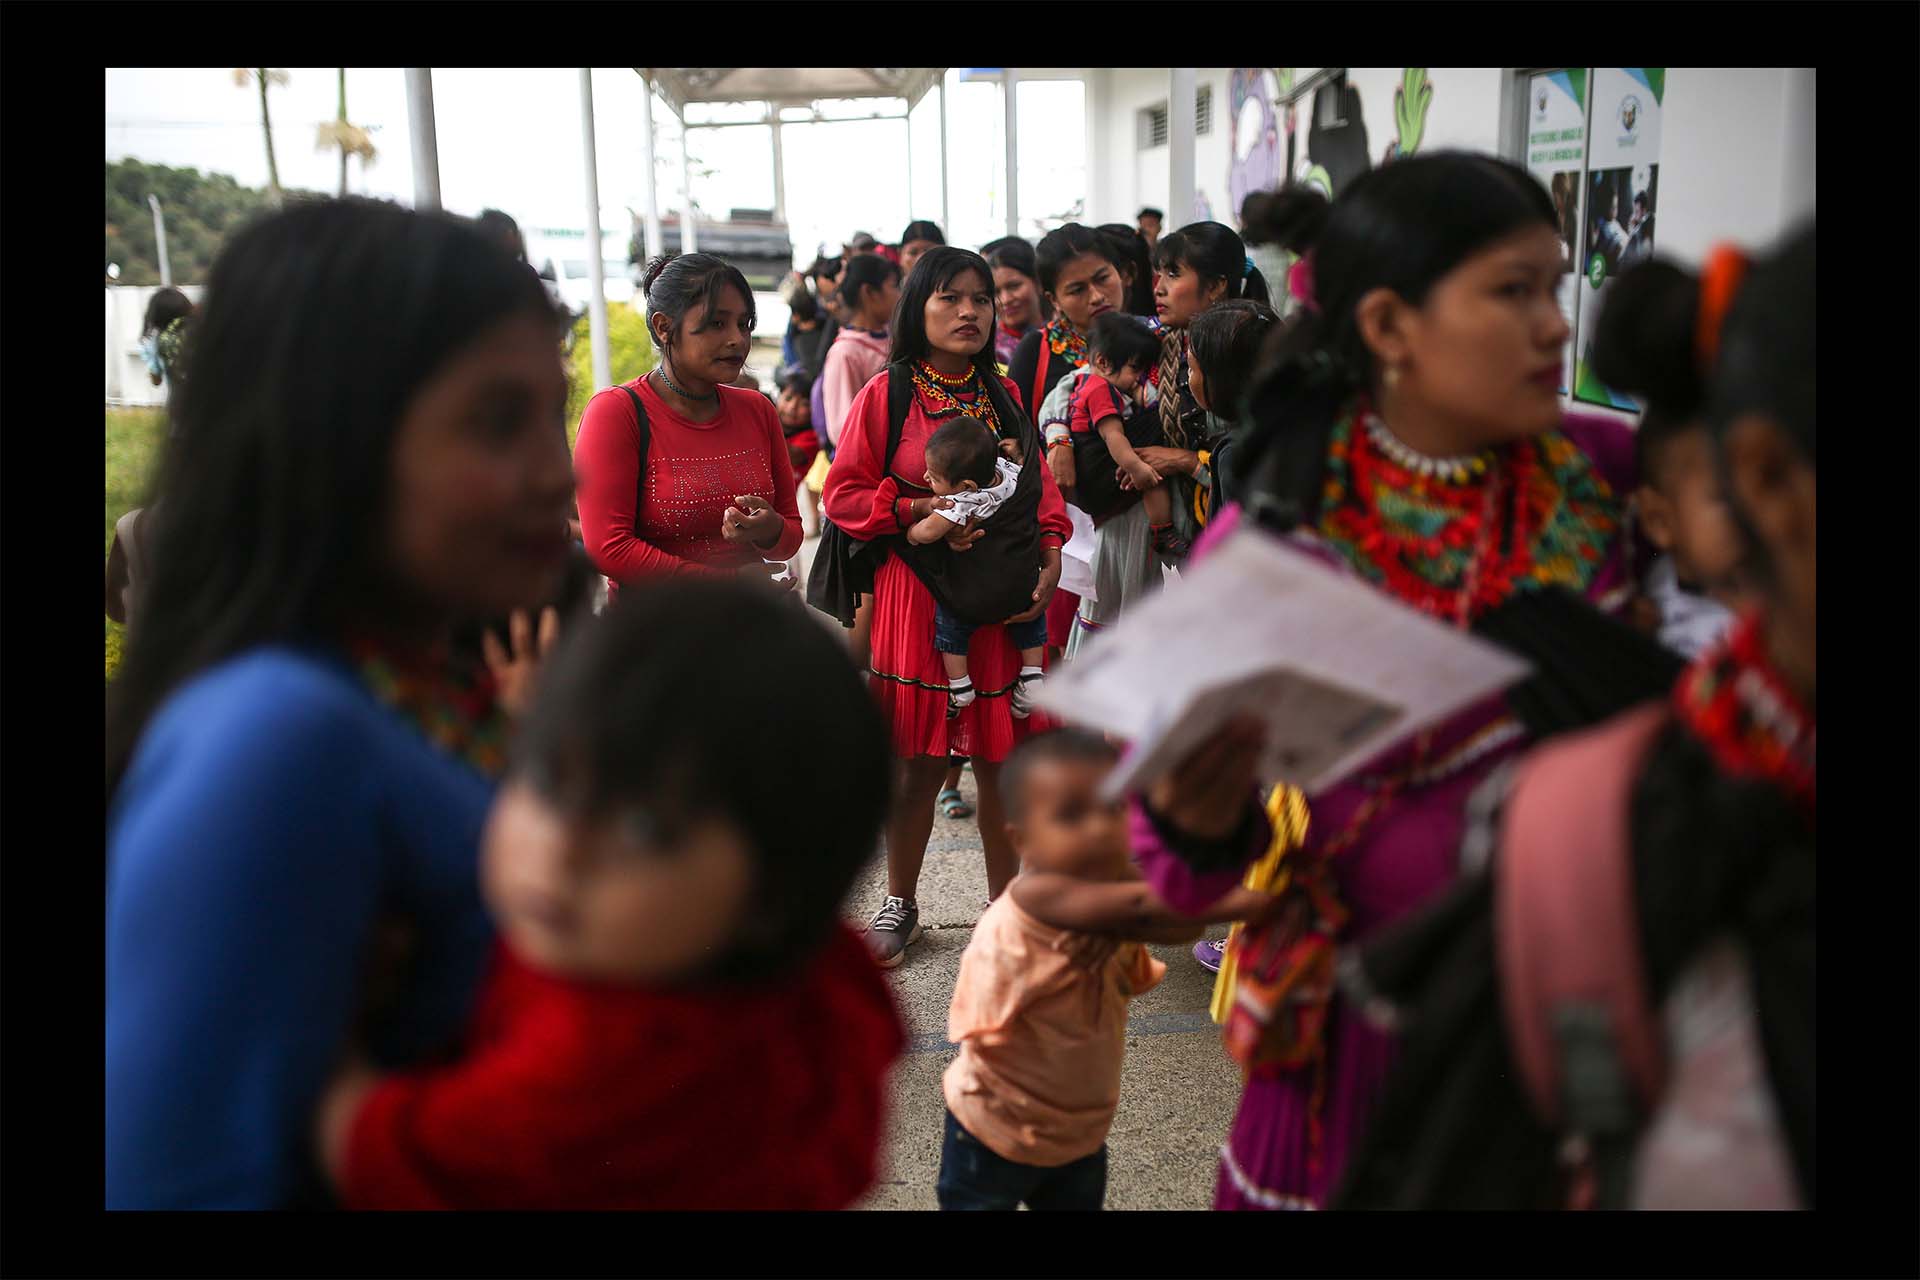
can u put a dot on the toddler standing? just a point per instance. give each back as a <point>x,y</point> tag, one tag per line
<point>1040,1009</point>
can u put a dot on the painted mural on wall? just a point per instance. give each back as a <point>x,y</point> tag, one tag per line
<point>1255,161</point>
<point>1411,102</point>
<point>1337,135</point>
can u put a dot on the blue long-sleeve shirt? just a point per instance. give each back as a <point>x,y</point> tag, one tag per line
<point>272,813</point>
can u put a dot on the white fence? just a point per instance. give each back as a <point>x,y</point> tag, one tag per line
<point>127,381</point>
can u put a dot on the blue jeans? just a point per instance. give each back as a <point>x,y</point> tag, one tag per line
<point>951,635</point>
<point>973,1176</point>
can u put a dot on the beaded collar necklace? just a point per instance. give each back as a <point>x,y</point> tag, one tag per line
<point>1457,547</point>
<point>944,392</point>
<point>1742,711</point>
<point>456,710</point>
<point>1458,469</point>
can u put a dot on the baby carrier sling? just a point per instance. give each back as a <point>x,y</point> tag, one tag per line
<point>999,571</point>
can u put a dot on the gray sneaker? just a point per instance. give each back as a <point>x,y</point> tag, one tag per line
<point>894,927</point>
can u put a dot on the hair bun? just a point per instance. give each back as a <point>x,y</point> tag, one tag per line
<point>1644,341</point>
<point>655,265</point>
<point>1292,217</point>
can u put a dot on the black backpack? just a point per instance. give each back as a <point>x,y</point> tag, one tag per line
<point>999,577</point>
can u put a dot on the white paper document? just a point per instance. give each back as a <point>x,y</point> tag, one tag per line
<point>1076,558</point>
<point>1337,670</point>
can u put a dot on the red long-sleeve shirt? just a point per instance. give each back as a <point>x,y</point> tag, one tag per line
<point>578,1095</point>
<point>694,472</point>
<point>869,503</point>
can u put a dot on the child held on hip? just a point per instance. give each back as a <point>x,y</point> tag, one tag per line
<point>666,930</point>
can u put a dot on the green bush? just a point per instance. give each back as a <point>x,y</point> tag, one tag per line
<point>630,353</point>
<point>133,446</point>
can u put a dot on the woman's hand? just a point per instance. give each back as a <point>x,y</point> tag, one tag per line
<point>1169,461</point>
<point>513,675</point>
<point>1207,794</point>
<point>333,1123</point>
<point>1043,590</point>
<point>752,520</point>
<point>964,535</point>
<point>1060,462</point>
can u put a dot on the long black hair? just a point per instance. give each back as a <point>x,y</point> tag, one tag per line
<point>862,272</point>
<point>1401,227</point>
<point>938,268</point>
<point>921,229</point>
<point>675,281</point>
<point>163,308</point>
<point>1643,345</point>
<point>1015,254</point>
<point>319,324</point>
<point>1130,242</point>
<point>1225,342</point>
<point>1063,244</point>
<point>1213,251</point>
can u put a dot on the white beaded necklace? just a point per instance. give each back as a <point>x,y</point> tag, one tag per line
<point>1457,469</point>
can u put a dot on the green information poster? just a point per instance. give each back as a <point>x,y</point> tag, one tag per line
<point>1621,194</point>
<point>1556,155</point>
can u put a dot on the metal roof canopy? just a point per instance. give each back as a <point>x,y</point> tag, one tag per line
<point>788,86</point>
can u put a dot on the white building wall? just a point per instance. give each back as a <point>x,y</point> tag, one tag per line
<point>1736,157</point>
<point>1127,176</point>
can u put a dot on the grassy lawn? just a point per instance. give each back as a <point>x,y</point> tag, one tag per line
<point>133,445</point>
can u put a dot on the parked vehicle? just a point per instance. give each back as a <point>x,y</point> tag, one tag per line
<point>751,239</point>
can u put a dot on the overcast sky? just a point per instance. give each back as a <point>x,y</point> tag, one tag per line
<point>511,139</point>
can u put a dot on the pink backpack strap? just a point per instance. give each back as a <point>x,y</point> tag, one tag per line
<point>1565,925</point>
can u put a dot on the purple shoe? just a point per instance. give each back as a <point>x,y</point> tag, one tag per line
<point>1209,952</point>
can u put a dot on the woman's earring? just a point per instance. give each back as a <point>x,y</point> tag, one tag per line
<point>1390,376</point>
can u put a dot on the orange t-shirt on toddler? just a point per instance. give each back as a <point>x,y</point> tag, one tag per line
<point>1042,1032</point>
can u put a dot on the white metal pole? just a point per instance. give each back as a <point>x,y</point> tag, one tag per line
<point>596,266</point>
<point>1180,108</point>
<point>160,240</point>
<point>946,214</point>
<point>911,204</point>
<point>1010,90</point>
<point>655,245</point>
<point>426,150</point>
<point>779,173</point>
<point>689,237</point>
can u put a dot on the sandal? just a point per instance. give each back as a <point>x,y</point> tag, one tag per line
<point>952,804</point>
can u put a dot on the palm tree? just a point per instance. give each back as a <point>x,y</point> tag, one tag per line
<point>264,77</point>
<point>350,138</point>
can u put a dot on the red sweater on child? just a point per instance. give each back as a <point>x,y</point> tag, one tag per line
<point>576,1095</point>
<point>694,471</point>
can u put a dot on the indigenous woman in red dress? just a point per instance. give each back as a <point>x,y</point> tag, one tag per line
<point>707,488</point>
<point>943,333</point>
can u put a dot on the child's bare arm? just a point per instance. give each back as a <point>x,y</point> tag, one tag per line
<point>1127,908</point>
<point>1114,433</point>
<point>935,527</point>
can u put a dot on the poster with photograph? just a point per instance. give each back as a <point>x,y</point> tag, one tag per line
<point>1556,155</point>
<point>1622,198</point>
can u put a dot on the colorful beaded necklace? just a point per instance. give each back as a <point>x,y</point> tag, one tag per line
<point>1065,341</point>
<point>456,709</point>
<point>1455,537</point>
<point>1738,706</point>
<point>946,396</point>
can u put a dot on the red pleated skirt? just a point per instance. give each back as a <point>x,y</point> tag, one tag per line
<point>910,683</point>
<point>1060,611</point>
